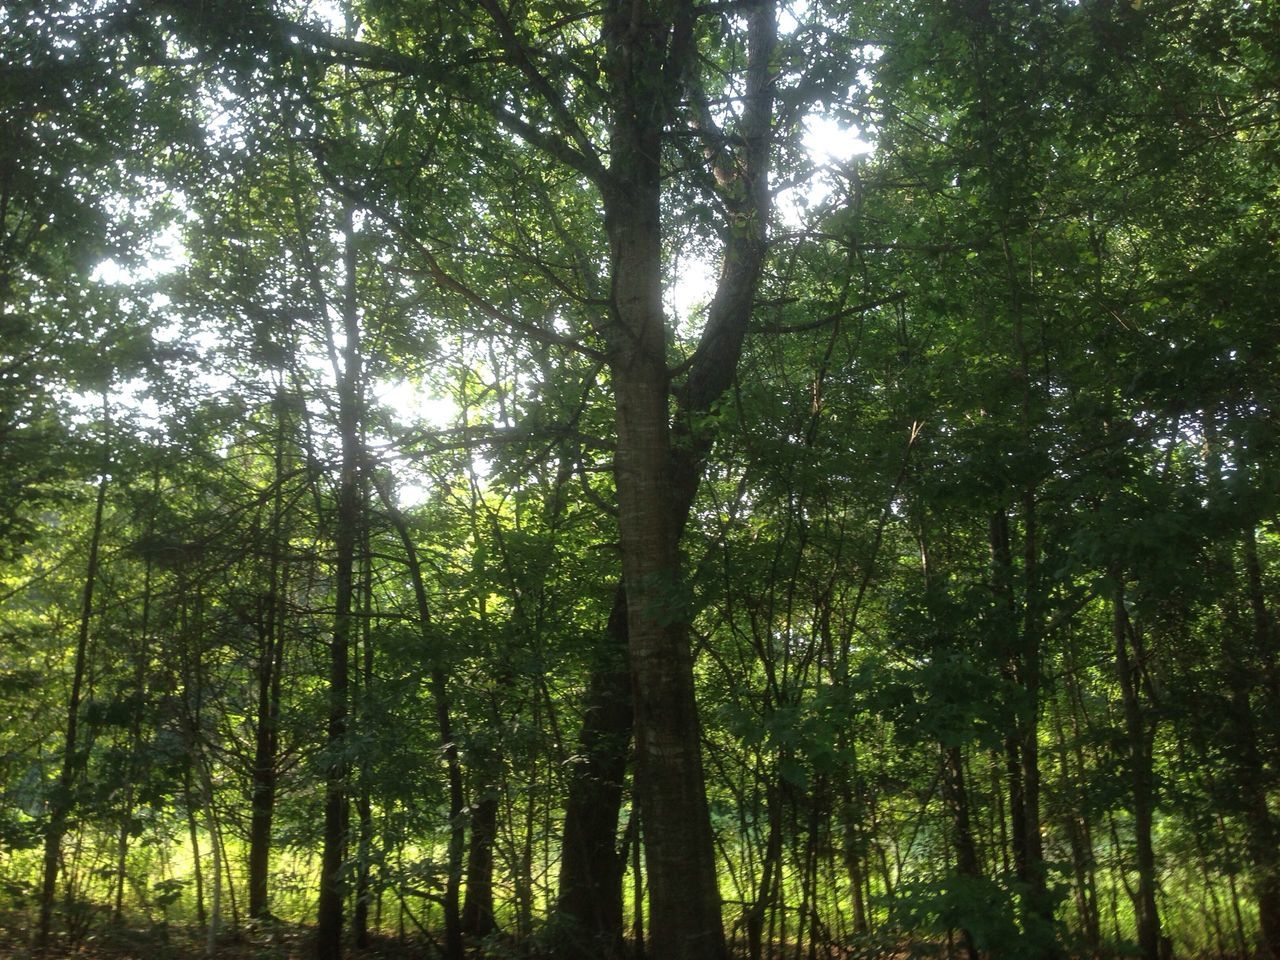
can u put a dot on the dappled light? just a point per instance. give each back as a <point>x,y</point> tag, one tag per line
<point>689,481</point>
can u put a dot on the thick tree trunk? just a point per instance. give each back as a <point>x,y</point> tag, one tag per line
<point>591,865</point>
<point>684,899</point>
<point>477,907</point>
<point>647,61</point>
<point>648,71</point>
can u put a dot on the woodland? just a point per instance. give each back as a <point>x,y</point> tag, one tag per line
<point>669,479</point>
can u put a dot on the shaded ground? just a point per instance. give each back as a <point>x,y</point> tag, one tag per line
<point>285,941</point>
<point>280,941</point>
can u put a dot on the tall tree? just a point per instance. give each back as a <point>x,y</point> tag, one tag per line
<point>63,800</point>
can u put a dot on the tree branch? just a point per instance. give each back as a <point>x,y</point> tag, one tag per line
<point>586,159</point>
<point>836,316</point>
<point>445,280</point>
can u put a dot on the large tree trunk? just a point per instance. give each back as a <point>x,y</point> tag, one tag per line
<point>477,907</point>
<point>684,898</point>
<point>656,484</point>
<point>591,865</point>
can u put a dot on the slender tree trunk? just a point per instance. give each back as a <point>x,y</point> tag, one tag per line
<point>444,721</point>
<point>1081,844</point>
<point>637,884</point>
<point>332,889</point>
<point>135,721</point>
<point>193,831</point>
<point>1017,805</point>
<point>1037,903</point>
<point>215,905</point>
<point>956,794</point>
<point>1138,737</point>
<point>364,803</point>
<point>364,808</point>
<point>771,868</point>
<point>1262,837</point>
<point>270,666</point>
<point>855,861</point>
<point>60,803</point>
<point>1022,744</point>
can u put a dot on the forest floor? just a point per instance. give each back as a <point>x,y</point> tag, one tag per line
<point>282,942</point>
<point>285,941</point>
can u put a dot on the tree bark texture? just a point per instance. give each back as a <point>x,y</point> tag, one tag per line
<point>477,907</point>
<point>657,481</point>
<point>589,903</point>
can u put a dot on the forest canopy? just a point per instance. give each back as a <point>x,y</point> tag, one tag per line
<point>653,478</point>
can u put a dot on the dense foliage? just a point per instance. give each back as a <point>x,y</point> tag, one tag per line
<point>390,521</point>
